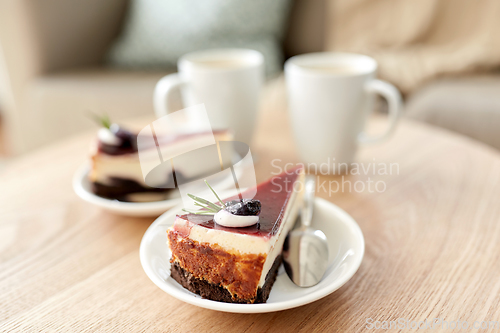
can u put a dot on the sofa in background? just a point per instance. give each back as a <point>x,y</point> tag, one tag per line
<point>469,105</point>
<point>54,54</point>
<point>54,51</point>
<point>54,57</point>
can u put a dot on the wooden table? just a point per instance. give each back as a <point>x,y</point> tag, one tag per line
<point>432,243</point>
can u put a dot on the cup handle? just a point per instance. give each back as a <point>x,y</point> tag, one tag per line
<point>163,92</point>
<point>394,101</point>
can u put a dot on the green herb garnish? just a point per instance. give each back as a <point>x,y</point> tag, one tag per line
<point>209,207</point>
<point>103,120</point>
<point>210,187</point>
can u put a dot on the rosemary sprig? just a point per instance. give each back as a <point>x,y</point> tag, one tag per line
<point>206,207</point>
<point>220,200</point>
<point>209,207</point>
<point>103,120</point>
<point>206,202</point>
<point>199,212</point>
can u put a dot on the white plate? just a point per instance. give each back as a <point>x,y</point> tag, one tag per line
<point>82,188</point>
<point>346,246</point>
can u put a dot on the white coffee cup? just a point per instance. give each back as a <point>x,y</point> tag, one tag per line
<point>227,81</point>
<point>330,96</point>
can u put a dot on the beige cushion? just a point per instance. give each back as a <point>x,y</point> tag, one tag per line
<point>415,41</point>
<point>157,33</point>
<point>468,105</point>
<point>57,105</point>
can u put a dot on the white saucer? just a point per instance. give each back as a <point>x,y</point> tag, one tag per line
<point>82,188</point>
<point>346,252</point>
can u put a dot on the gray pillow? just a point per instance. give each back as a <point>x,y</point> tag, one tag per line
<point>158,32</point>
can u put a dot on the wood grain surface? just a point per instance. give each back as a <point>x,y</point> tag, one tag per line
<point>432,242</point>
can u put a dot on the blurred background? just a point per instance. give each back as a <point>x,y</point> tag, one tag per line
<point>62,58</point>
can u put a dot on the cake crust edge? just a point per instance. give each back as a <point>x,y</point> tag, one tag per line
<point>218,293</point>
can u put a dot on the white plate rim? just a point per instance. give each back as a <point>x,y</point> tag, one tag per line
<point>115,205</point>
<point>145,209</point>
<point>184,295</point>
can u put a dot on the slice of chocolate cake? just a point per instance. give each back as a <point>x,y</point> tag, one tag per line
<point>116,167</point>
<point>237,264</point>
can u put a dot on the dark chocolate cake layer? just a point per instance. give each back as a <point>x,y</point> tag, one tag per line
<point>218,293</point>
<point>119,188</point>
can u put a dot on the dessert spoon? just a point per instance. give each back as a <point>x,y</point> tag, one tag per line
<point>305,252</point>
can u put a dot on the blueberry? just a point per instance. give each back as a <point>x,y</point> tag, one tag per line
<point>128,142</point>
<point>244,207</point>
<point>128,139</point>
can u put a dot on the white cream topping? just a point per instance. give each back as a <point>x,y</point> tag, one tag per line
<point>226,219</point>
<point>107,137</point>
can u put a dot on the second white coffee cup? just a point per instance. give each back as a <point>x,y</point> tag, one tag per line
<point>227,81</point>
<point>330,96</point>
